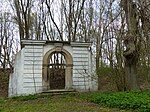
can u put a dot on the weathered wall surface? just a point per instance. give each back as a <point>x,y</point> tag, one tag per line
<point>82,69</point>
<point>32,78</point>
<point>16,78</point>
<point>27,76</point>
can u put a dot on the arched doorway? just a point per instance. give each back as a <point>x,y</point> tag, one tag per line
<point>57,69</point>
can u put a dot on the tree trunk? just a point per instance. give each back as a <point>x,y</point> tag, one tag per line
<point>131,79</point>
<point>131,60</point>
<point>131,41</point>
<point>98,44</point>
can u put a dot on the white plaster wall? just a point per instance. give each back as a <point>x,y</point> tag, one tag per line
<point>27,76</point>
<point>16,78</point>
<point>47,48</point>
<point>20,74</point>
<point>32,78</point>
<point>13,77</point>
<point>82,69</point>
<point>69,49</point>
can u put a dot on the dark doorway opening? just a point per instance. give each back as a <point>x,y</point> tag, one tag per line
<point>56,70</point>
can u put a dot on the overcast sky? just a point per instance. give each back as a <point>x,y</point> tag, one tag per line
<point>4,6</point>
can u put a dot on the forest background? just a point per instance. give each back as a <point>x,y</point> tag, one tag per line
<point>118,30</point>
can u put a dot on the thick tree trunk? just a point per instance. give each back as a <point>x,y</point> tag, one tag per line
<point>131,78</point>
<point>131,59</point>
<point>131,41</point>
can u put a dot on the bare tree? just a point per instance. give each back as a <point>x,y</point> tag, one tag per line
<point>132,42</point>
<point>73,10</point>
<point>6,40</point>
<point>48,3</point>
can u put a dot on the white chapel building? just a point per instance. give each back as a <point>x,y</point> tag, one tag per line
<point>52,65</point>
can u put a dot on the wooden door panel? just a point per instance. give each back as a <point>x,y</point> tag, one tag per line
<point>57,78</point>
<point>56,71</point>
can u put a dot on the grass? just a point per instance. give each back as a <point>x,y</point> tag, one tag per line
<point>50,103</point>
<point>80,102</point>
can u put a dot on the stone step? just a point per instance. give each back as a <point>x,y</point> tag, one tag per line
<point>60,91</point>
